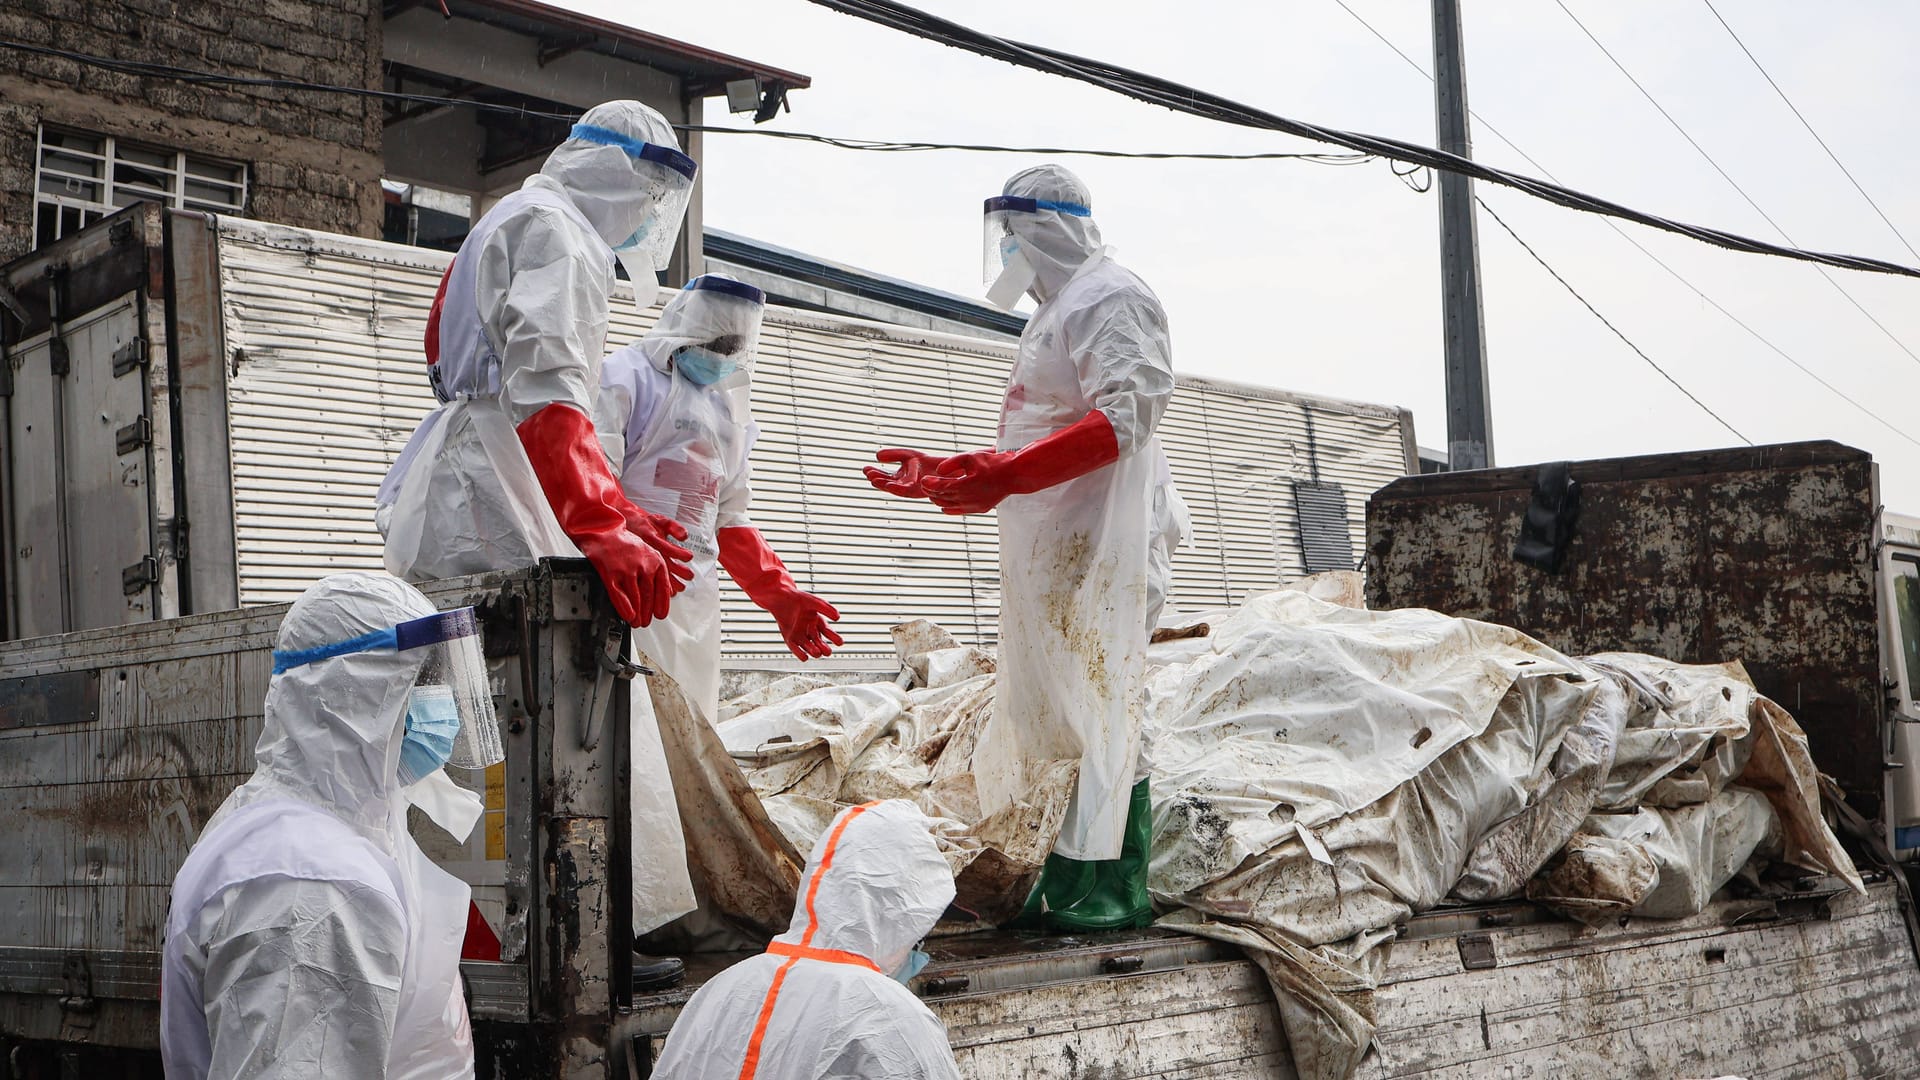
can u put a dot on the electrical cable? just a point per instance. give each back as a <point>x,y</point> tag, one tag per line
<point>168,71</point>
<point>1120,80</point>
<point>886,146</point>
<point>1644,250</point>
<point>1644,92</point>
<point>1193,101</point>
<point>1604,321</point>
<point>1835,158</point>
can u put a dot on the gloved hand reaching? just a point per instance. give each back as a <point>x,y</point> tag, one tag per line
<point>904,481</point>
<point>661,533</point>
<point>803,617</point>
<point>593,513</point>
<point>976,483</point>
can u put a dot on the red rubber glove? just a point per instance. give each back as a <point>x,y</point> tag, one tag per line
<point>592,511</point>
<point>904,481</point>
<point>661,533</point>
<point>975,483</point>
<point>803,617</point>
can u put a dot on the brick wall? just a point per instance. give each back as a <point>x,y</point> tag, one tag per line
<point>314,159</point>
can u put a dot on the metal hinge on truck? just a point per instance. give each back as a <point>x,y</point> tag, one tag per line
<point>130,357</point>
<point>140,576</point>
<point>133,436</point>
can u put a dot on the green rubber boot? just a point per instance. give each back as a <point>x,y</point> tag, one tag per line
<point>1063,882</point>
<point>1117,897</point>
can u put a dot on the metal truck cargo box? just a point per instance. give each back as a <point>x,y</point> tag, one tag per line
<point>117,745</point>
<point>1763,555</point>
<point>108,385</point>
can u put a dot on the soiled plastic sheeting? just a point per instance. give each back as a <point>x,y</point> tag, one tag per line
<point>806,745</point>
<point>742,866</point>
<point>1562,785</point>
<point>1657,861</point>
<point>1320,772</point>
<point>1715,728</point>
<point>1690,734</point>
<point>1302,711</point>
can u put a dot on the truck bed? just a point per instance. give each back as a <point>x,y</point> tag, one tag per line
<point>116,744</point>
<point>1820,984</point>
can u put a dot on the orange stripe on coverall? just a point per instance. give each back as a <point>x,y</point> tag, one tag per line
<point>804,950</point>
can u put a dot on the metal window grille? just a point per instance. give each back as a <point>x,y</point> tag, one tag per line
<point>81,178</point>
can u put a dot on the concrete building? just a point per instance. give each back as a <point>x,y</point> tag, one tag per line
<point>81,138</point>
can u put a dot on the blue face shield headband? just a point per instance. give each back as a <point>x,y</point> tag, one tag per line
<point>401,637</point>
<point>450,717</point>
<point>664,156</point>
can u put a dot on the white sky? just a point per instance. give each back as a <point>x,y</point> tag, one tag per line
<point>1325,279</point>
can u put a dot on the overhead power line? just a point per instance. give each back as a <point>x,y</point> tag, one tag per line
<point>1797,115</point>
<point>1193,101</point>
<point>885,146</point>
<point>1638,351</point>
<point>169,71</point>
<point>1731,182</point>
<point>1643,249</point>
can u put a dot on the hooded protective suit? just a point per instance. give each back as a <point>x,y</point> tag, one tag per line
<point>675,414</point>
<point>516,339</point>
<point>308,935</point>
<point>1088,515</point>
<point>519,328</point>
<point>819,1003</point>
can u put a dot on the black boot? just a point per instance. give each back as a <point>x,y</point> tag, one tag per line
<point>653,973</point>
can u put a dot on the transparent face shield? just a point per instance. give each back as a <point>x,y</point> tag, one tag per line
<point>1000,242</point>
<point>665,176</point>
<point>450,718</point>
<point>723,317</point>
<point>453,680</point>
<point>1008,271</point>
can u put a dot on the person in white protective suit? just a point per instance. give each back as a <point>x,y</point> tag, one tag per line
<point>828,998</point>
<point>308,936</point>
<point>675,415</point>
<point>1088,522</point>
<point>509,469</point>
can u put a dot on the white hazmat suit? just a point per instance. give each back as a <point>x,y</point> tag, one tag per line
<point>520,324</point>
<point>1077,559</point>
<point>308,936</point>
<point>518,332</point>
<point>819,1003</point>
<point>675,414</point>
<point>681,450</point>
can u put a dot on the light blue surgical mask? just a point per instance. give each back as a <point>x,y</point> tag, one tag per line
<point>916,960</point>
<point>632,243</point>
<point>703,367</point>
<point>433,720</point>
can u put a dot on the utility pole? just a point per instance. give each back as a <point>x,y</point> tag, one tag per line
<point>1469,409</point>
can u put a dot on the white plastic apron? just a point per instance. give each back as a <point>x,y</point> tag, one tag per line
<point>1073,608</point>
<point>467,501</point>
<point>690,450</point>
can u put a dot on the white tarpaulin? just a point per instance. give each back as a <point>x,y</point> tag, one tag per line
<point>1320,772</point>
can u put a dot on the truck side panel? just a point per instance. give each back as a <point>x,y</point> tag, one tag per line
<point>1761,555</point>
